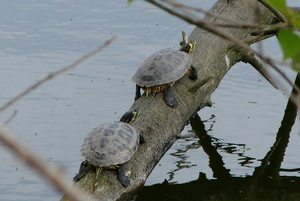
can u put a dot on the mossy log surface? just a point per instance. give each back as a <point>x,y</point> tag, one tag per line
<point>160,124</point>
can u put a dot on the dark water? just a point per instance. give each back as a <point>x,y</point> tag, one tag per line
<point>38,37</point>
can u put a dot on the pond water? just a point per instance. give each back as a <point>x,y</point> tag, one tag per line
<point>38,37</point>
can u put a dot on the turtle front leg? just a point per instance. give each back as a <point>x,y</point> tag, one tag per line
<point>122,176</point>
<point>137,92</point>
<point>142,139</point>
<point>169,98</point>
<point>193,74</point>
<point>84,168</point>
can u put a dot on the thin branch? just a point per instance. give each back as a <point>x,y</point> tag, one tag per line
<point>193,19</point>
<point>55,176</point>
<point>11,117</point>
<point>185,39</point>
<point>234,23</point>
<point>274,10</point>
<point>255,26</point>
<point>55,73</point>
<point>267,32</point>
<point>203,24</point>
<point>247,57</point>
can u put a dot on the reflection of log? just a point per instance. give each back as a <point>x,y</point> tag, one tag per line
<point>215,159</point>
<point>160,123</point>
<point>234,189</point>
<point>264,185</point>
<point>268,172</point>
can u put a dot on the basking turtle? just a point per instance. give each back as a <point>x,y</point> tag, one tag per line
<point>162,69</point>
<point>110,145</point>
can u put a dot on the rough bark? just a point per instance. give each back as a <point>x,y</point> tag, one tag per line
<point>161,124</point>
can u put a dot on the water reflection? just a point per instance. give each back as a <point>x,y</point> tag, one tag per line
<point>264,184</point>
<point>182,158</point>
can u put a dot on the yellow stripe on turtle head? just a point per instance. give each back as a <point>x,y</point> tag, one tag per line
<point>191,46</point>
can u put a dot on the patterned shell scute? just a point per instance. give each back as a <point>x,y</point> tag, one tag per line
<point>162,67</point>
<point>111,143</point>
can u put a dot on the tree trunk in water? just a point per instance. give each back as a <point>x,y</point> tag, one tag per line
<point>160,124</point>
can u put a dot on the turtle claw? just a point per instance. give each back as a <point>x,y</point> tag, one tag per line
<point>125,181</point>
<point>171,102</point>
<point>142,139</point>
<point>84,168</point>
<point>193,73</point>
<point>168,97</point>
<point>122,176</point>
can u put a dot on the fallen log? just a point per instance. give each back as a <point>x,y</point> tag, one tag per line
<point>160,124</point>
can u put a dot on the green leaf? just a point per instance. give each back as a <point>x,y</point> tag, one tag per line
<point>296,66</point>
<point>279,4</point>
<point>296,20</point>
<point>289,42</point>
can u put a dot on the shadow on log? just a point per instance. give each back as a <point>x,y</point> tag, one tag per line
<point>160,124</point>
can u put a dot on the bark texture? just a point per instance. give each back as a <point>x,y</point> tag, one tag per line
<point>160,124</point>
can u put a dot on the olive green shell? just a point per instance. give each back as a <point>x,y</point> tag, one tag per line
<point>162,67</point>
<point>111,143</point>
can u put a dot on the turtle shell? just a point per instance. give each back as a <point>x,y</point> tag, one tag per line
<point>162,67</point>
<point>110,144</point>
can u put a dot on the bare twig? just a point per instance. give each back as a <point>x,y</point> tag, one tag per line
<point>273,10</point>
<point>235,23</point>
<point>55,73</point>
<point>247,57</point>
<point>55,176</point>
<point>185,39</point>
<point>192,18</point>
<point>11,117</point>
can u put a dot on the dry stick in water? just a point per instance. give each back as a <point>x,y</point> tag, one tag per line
<point>55,176</point>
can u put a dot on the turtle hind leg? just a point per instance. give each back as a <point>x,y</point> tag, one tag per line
<point>142,139</point>
<point>122,176</point>
<point>137,92</point>
<point>193,73</point>
<point>169,98</point>
<point>84,168</point>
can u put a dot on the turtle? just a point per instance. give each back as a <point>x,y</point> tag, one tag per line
<point>162,69</point>
<point>110,145</point>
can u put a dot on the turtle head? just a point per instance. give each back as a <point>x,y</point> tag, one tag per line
<point>191,46</point>
<point>130,116</point>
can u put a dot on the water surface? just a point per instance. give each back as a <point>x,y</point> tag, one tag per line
<point>39,37</point>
